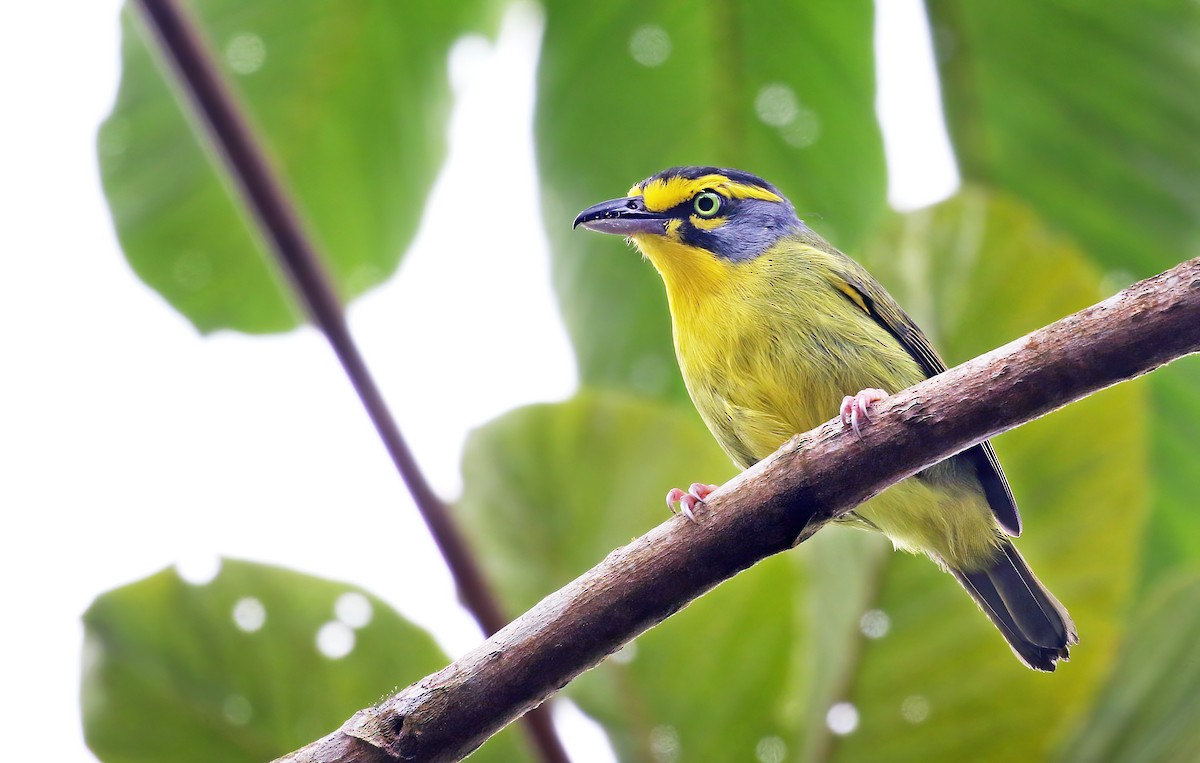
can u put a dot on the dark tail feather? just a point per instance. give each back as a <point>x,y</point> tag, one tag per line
<point>1035,625</point>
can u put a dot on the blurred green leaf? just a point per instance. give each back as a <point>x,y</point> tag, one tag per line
<point>551,489</point>
<point>351,103</point>
<point>231,671</point>
<point>1088,111</point>
<point>1173,536</point>
<point>977,272</point>
<point>1149,705</point>
<point>626,89</point>
<point>844,567</point>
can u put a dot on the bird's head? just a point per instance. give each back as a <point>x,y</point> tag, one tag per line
<point>696,213</point>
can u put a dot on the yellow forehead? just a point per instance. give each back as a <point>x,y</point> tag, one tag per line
<point>664,193</point>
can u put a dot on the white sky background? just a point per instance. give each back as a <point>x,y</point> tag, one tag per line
<point>128,442</point>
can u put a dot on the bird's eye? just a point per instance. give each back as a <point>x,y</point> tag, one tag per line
<point>707,204</point>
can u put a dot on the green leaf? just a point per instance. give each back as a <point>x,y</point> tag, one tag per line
<point>1088,111</point>
<point>551,489</point>
<point>1148,708</point>
<point>231,671</point>
<point>350,101</point>
<point>785,90</point>
<point>1173,535</point>
<point>844,567</point>
<point>976,272</point>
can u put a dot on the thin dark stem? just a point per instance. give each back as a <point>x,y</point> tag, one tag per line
<point>297,256</point>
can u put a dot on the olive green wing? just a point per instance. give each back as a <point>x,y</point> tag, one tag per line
<point>865,292</point>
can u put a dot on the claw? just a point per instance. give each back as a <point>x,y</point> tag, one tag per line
<point>858,408</point>
<point>673,496</point>
<point>847,410</point>
<point>686,506</point>
<point>690,500</point>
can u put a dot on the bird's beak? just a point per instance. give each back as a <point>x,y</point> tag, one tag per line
<point>622,217</point>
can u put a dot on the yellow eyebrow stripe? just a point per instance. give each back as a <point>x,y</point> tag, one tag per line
<point>664,193</point>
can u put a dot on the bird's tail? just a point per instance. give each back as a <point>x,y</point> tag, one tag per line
<point>1036,626</point>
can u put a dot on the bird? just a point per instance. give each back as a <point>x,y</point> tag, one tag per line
<point>775,330</point>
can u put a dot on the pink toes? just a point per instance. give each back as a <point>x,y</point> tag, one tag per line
<point>857,409</point>
<point>673,496</point>
<point>687,501</point>
<point>701,490</point>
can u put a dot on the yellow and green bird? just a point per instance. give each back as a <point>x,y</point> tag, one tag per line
<point>773,327</point>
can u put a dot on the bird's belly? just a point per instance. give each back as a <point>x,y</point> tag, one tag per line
<point>950,522</point>
<point>754,401</point>
<point>758,391</point>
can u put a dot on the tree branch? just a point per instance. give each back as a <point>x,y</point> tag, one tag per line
<point>279,223</point>
<point>767,509</point>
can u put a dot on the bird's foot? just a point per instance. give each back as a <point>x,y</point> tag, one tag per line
<point>687,501</point>
<point>856,409</point>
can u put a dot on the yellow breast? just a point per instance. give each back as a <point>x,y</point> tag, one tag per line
<point>768,347</point>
